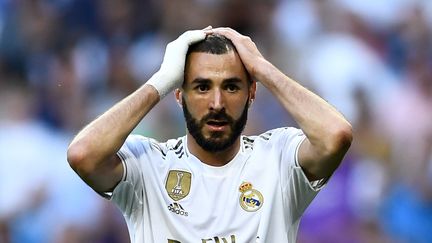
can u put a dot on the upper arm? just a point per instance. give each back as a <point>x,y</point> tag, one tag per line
<point>105,178</point>
<point>320,162</point>
<point>102,176</point>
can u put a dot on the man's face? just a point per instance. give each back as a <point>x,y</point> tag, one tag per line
<point>215,99</point>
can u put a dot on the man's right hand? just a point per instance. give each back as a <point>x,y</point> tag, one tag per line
<point>171,72</point>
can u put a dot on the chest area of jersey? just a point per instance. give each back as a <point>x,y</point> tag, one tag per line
<point>239,194</point>
<point>227,208</point>
<point>220,207</point>
<point>184,186</point>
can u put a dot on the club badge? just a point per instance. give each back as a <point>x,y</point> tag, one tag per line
<point>250,199</point>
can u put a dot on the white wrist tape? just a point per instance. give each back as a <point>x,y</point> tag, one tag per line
<point>171,73</point>
<point>157,81</point>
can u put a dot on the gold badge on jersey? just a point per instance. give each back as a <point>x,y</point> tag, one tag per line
<point>178,184</point>
<point>250,199</point>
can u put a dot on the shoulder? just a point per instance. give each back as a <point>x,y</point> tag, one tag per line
<point>175,146</point>
<point>275,138</point>
<point>272,136</point>
<point>249,142</point>
<point>138,145</point>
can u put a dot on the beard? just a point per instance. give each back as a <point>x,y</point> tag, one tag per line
<point>216,142</point>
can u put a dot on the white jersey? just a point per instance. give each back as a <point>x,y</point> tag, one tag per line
<point>169,195</point>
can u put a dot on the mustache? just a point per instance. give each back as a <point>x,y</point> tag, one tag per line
<point>220,116</point>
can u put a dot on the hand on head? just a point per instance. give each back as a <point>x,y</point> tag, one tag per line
<point>171,72</point>
<point>246,48</point>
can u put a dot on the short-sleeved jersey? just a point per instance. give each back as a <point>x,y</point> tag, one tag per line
<point>168,195</point>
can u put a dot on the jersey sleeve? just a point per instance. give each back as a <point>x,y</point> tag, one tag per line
<point>128,194</point>
<point>298,190</point>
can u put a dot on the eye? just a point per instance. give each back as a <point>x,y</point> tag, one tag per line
<point>232,88</point>
<point>202,88</point>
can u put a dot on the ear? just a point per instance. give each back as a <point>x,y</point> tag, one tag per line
<point>252,92</point>
<point>179,97</point>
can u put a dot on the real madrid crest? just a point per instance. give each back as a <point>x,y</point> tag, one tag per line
<point>250,199</point>
<point>178,184</point>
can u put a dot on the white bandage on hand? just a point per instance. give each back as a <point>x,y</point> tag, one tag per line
<point>171,72</point>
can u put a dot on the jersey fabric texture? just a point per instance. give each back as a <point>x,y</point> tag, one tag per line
<point>168,195</point>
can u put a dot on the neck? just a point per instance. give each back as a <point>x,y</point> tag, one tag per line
<point>220,158</point>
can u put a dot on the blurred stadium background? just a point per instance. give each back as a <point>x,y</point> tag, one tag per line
<point>63,62</point>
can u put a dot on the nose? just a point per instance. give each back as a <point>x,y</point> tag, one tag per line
<point>217,100</point>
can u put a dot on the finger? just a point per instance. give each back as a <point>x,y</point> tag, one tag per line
<point>227,32</point>
<point>208,28</point>
<point>193,36</point>
<point>221,31</point>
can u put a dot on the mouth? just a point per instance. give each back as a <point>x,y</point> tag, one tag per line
<point>217,125</point>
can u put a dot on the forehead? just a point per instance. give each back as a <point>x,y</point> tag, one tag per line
<point>214,67</point>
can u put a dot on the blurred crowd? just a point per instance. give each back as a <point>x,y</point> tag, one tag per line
<point>64,62</point>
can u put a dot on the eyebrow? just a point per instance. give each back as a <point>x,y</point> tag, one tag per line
<point>232,80</point>
<point>201,81</point>
<point>207,81</point>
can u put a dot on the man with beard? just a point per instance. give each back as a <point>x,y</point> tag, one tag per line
<point>213,184</point>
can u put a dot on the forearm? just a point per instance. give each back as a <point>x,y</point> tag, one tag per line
<point>328,133</point>
<point>92,153</point>
<point>313,114</point>
<point>104,136</point>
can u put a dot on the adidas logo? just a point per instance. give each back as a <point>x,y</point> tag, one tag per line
<point>178,209</point>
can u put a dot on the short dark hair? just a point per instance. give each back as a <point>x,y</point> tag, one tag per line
<point>215,44</point>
